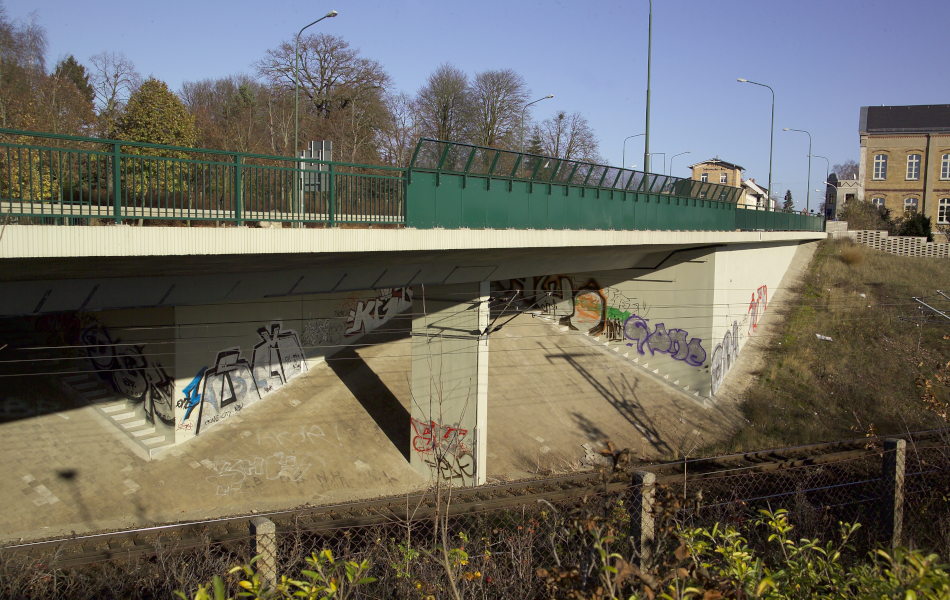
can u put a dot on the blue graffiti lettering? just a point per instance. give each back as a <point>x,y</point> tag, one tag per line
<point>673,342</point>
<point>192,397</point>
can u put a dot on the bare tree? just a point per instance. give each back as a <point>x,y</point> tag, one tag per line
<point>113,79</point>
<point>846,170</point>
<point>227,112</point>
<point>332,74</point>
<point>397,137</point>
<point>568,136</point>
<point>23,49</point>
<point>443,104</point>
<point>496,99</point>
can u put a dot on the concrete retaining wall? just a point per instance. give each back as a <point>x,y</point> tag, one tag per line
<point>684,320</point>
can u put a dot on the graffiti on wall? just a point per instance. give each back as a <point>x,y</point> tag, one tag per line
<point>125,369</point>
<point>317,332</point>
<point>724,356</point>
<point>234,382</point>
<point>757,306</point>
<point>604,311</point>
<point>445,450</point>
<point>727,351</point>
<point>673,341</point>
<point>368,315</point>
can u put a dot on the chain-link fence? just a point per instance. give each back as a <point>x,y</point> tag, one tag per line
<point>422,550</point>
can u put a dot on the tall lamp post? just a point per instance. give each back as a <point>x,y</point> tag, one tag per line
<point>808,189</point>
<point>623,160</point>
<point>827,173</point>
<point>332,13</point>
<point>524,108</point>
<point>771,130</point>
<point>671,160</point>
<point>646,140</point>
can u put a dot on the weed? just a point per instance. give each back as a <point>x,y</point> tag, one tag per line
<point>878,369</point>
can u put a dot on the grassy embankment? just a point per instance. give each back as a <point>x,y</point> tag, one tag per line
<point>879,375</point>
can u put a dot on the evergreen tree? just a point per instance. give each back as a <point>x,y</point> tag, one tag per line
<point>155,115</point>
<point>789,204</point>
<point>70,69</point>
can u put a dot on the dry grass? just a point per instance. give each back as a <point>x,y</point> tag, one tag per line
<point>880,374</point>
<point>851,255</point>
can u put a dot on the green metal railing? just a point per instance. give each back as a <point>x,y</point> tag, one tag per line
<point>71,179</point>
<point>494,163</point>
<point>455,185</point>
<point>60,179</point>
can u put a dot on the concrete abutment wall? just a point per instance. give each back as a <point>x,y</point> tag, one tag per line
<point>681,315</point>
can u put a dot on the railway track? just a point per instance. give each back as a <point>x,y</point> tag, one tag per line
<point>132,543</point>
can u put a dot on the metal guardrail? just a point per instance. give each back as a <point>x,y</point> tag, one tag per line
<point>467,159</point>
<point>71,178</point>
<point>60,179</point>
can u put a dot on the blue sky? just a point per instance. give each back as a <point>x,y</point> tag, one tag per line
<point>825,59</point>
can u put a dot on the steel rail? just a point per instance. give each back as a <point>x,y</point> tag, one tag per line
<point>147,541</point>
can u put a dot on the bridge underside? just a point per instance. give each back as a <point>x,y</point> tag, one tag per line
<point>61,269</point>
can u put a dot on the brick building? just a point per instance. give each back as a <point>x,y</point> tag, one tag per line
<point>905,159</point>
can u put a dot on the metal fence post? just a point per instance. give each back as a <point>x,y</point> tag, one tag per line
<point>331,202</point>
<point>893,476</point>
<point>238,199</point>
<point>117,182</point>
<point>264,543</point>
<point>644,528</point>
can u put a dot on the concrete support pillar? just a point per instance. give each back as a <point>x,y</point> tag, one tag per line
<point>893,475</point>
<point>450,382</point>
<point>642,518</point>
<point>264,543</point>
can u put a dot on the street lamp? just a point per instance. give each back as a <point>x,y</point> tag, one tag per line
<point>646,141</point>
<point>525,107</point>
<point>332,13</point>
<point>623,162</point>
<point>674,156</point>
<point>807,189</point>
<point>827,172</point>
<point>771,131</point>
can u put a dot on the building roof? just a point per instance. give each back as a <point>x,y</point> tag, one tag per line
<point>756,188</point>
<point>923,117</point>
<point>718,162</point>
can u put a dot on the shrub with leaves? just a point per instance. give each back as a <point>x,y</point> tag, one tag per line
<point>327,578</point>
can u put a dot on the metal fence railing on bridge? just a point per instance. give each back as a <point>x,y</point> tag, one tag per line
<point>449,183</point>
<point>467,159</point>
<point>52,179</point>
<point>49,179</point>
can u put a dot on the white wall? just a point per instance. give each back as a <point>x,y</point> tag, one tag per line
<point>229,356</point>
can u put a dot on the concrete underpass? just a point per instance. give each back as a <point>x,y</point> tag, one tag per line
<point>145,411</point>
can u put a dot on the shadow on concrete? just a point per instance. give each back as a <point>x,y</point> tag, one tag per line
<point>376,398</point>
<point>622,396</point>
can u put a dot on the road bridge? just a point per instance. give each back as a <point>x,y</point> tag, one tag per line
<point>191,284</point>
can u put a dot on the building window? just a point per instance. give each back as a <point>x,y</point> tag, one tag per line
<point>945,167</point>
<point>943,212</point>
<point>880,166</point>
<point>704,177</point>
<point>879,202</point>
<point>910,205</point>
<point>723,178</point>
<point>913,166</point>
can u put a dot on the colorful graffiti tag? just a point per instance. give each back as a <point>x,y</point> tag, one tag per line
<point>372,314</point>
<point>445,450</point>
<point>233,382</point>
<point>125,369</point>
